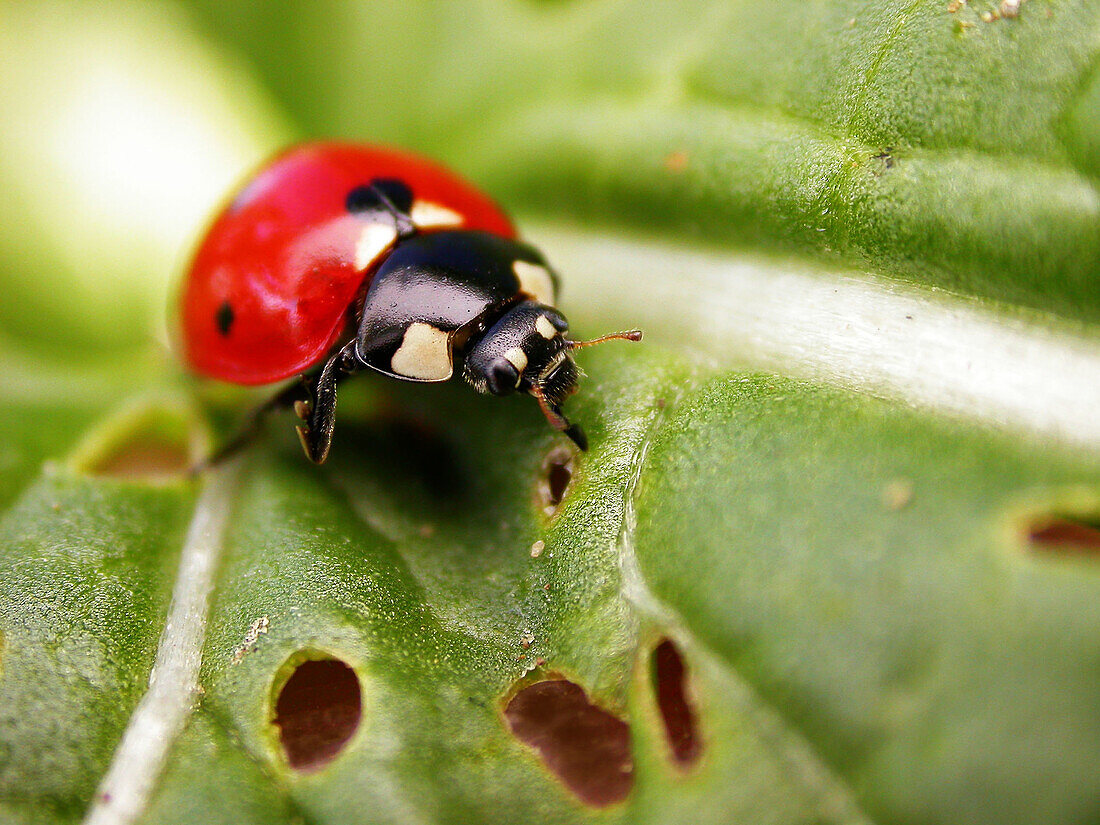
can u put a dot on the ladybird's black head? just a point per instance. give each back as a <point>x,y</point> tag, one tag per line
<point>526,350</point>
<point>523,349</point>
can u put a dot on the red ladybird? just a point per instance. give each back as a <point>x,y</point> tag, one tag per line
<point>336,258</point>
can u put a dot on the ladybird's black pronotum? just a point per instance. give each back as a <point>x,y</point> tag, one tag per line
<point>336,259</point>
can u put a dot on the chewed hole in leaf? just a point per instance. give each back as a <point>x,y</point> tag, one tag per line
<point>670,684</point>
<point>582,744</point>
<point>146,458</point>
<point>317,712</point>
<point>1065,534</point>
<point>154,441</point>
<point>557,472</point>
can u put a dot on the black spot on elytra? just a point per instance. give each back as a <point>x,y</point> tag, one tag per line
<point>224,318</point>
<point>386,194</point>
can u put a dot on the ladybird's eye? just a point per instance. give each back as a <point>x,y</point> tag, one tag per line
<point>380,194</point>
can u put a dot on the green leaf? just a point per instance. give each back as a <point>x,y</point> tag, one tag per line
<point>831,558</point>
<point>875,582</point>
<point>87,570</point>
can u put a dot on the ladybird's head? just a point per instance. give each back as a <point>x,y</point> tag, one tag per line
<point>527,350</point>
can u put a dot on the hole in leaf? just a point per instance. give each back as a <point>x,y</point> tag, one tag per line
<point>670,685</point>
<point>150,440</point>
<point>586,747</point>
<point>1057,533</point>
<point>317,712</point>
<point>557,472</point>
<point>146,457</point>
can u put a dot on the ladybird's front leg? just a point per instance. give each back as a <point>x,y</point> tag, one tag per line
<point>319,412</point>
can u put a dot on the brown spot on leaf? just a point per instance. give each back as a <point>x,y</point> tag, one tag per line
<point>586,747</point>
<point>885,158</point>
<point>317,712</point>
<point>898,494</point>
<point>670,684</point>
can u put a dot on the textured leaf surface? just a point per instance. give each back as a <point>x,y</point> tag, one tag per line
<point>877,619</point>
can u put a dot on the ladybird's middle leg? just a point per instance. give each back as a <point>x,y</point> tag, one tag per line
<point>252,426</point>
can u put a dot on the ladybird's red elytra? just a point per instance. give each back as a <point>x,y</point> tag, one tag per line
<point>337,258</point>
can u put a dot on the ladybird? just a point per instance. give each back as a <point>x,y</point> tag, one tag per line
<point>336,259</point>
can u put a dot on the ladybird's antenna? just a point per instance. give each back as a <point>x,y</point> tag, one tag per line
<point>628,335</point>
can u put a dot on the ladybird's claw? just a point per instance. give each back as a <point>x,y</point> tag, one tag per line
<point>556,418</point>
<point>577,436</point>
<point>316,434</point>
<point>307,447</point>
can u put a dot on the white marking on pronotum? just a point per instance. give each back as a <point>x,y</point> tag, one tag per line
<point>545,328</point>
<point>425,353</point>
<point>920,346</point>
<point>535,280</point>
<point>174,680</point>
<point>426,214</point>
<point>375,239</point>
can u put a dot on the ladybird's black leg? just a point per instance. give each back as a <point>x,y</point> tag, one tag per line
<point>319,413</point>
<point>252,426</point>
<point>577,436</point>
<point>558,421</point>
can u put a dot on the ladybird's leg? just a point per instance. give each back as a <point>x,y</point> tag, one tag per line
<point>577,436</point>
<point>252,426</point>
<point>558,421</point>
<point>319,413</point>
